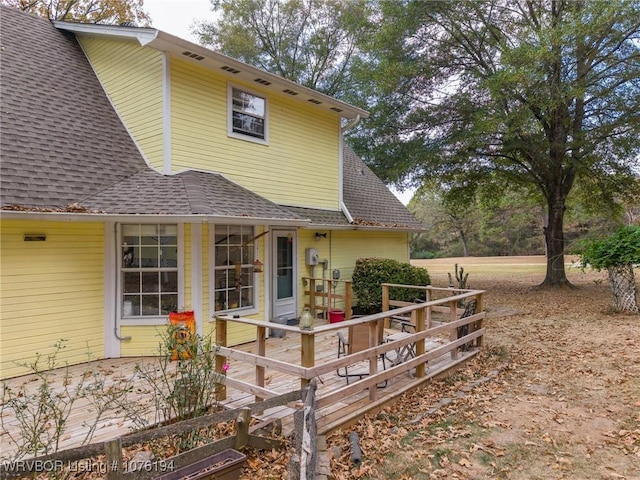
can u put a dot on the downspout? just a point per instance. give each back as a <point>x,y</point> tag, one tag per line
<point>352,123</point>
<point>115,320</point>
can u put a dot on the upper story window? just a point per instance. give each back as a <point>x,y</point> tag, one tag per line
<point>248,115</point>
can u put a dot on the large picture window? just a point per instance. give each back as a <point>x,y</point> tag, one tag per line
<point>248,114</point>
<point>149,270</point>
<point>233,271</point>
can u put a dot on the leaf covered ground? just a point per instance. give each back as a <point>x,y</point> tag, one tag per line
<point>554,395</point>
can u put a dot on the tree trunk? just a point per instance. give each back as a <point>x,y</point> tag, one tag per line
<point>554,241</point>
<point>624,289</point>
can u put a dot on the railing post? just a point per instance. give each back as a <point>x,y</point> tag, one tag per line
<point>478,324</point>
<point>312,297</point>
<point>307,352</point>
<point>242,428</point>
<point>419,321</point>
<point>113,458</point>
<point>347,300</point>
<point>453,336</point>
<point>385,303</point>
<point>221,340</point>
<point>262,351</point>
<point>374,340</point>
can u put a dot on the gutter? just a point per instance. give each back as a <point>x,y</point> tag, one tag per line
<point>149,218</point>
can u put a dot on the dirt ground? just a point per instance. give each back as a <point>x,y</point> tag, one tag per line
<point>554,395</point>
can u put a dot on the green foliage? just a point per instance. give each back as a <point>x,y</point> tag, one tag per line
<point>370,273</point>
<point>309,42</point>
<point>537,96</point>
<point>113,12</point>
<point>622,248</point>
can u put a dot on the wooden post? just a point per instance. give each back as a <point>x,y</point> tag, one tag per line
<point>385,303</point>
<point>419,321</point>
<point>262,351</point>
<point>308,352</point>
<point>373,361</point>
<point>113,457</point>
<point>242,428</point>
<point>329,295</point>
<point>453,336</point>
<point>347,299</point>
<point>479,309</point>
<point>221,339</point>
<point>312,297</point>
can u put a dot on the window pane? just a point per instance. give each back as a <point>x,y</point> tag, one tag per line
<point>150,305</point>
<point>169,303</point>
<point>150,282</point>
<point>169,256</point>
<point>131,305</point>
<point>131,282</point>
<point>149,257</point>
<point>169,282</point>
<point>149,234</point>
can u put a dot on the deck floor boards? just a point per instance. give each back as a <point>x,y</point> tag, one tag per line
<point>286,349</point>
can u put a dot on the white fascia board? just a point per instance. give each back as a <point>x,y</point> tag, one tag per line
<point>143,35</point>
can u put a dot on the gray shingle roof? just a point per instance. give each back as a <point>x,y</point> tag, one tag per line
<point>187,193</point>
<point>328,218</point>
<point>60,139</point>
<point>368,199</point>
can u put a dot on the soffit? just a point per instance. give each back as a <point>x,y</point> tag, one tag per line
<point>224,65</point>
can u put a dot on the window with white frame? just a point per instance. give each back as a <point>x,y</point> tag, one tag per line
<point>247,114</point>
<point>148,270</point>
<point>233,270</point>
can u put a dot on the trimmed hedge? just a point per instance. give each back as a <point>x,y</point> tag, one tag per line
<point>370,273</point>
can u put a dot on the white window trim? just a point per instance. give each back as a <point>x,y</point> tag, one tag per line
<point>212,271</point>
<point>240,136</point>
<point>161,319</point>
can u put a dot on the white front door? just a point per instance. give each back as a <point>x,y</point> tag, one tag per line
<point>284,274</point>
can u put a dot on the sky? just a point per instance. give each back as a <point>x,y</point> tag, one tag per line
<point>177,16</point>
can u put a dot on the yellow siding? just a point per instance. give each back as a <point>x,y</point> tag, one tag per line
<point>298,167</point>
<point>145,340</point>
<point>343,247</point>
<point>132,77</point>
<point>50,291</point>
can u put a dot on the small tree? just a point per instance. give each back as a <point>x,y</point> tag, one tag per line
<point>618,254</point>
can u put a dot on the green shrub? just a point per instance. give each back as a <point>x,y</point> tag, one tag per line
<point>622,248</point>
<point>370,273</point>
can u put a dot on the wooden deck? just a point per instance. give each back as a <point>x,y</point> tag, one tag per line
<point>273,366</point>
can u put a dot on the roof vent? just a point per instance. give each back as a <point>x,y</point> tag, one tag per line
<point>314,101</point>
<point>336,109</point>
<point>290,92</point>
<point>230,69</point>
<point>262,81</point>
<point>193,55</point>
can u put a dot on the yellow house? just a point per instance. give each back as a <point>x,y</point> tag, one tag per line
<point>142,173</point>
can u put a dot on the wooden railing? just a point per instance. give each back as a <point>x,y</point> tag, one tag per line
<point>306,369</point>
<point>327,293</point>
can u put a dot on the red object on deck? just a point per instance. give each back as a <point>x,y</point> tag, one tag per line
<point>336,315</point>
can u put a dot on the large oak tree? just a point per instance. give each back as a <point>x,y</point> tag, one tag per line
<point>311,42</point>
<point>112,12</point>
<point>538,95</point>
